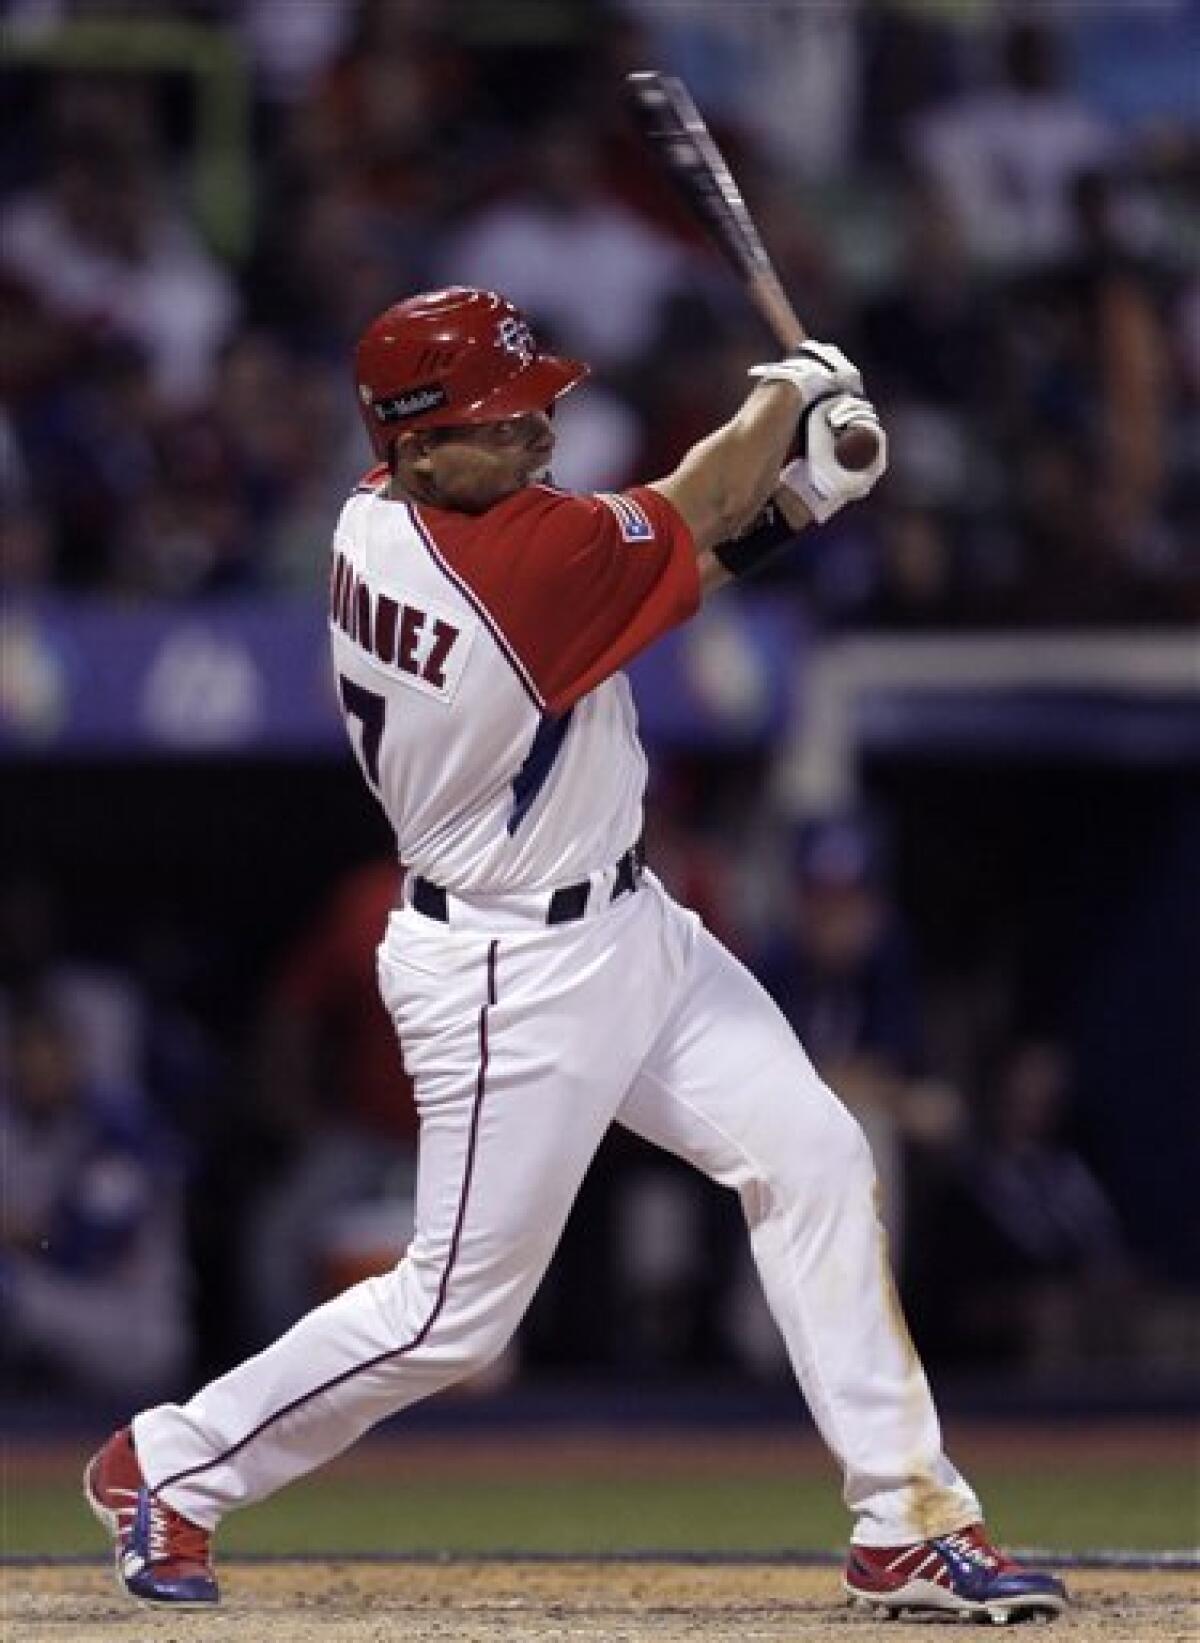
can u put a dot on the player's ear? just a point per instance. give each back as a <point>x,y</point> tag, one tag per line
<point>410,452</point>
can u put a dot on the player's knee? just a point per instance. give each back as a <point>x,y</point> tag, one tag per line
<point>852,1147</point>
<point>834,1158</point>
<point>464,1339</point>
<point>483,1353</point>
<point>473,1350</point>
<point>849,1156</point>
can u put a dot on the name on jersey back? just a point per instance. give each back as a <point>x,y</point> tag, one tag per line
<point>419,645</point>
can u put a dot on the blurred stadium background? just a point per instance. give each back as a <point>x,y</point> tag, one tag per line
<point>935,778</point>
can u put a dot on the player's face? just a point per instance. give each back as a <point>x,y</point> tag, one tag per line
<point>471,467</point>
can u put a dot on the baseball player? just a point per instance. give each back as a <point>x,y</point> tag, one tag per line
<point>543,983</point>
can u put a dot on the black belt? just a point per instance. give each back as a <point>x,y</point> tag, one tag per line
<point>566,904</point>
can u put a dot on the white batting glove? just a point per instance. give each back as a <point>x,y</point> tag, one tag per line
<point>814,369</point>
<point>817,477</point>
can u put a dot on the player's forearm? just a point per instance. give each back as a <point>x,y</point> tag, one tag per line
<point>749,451</point>
<point>727,477</point>
<point>770,534</point>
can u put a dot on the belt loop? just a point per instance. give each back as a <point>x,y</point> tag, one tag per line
<point>568,904</point>
<point>628,869</point>
<point>430,899</point>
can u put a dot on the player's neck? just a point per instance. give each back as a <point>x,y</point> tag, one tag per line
<point>414,488</point>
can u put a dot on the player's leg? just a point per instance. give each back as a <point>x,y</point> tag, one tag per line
<point>728,1087</point>
<point>517,1072</point>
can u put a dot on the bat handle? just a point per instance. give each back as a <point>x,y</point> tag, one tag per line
<point>774,305</point>
<point>857,448</point>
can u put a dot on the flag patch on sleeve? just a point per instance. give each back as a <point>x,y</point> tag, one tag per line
<point>634,524</point>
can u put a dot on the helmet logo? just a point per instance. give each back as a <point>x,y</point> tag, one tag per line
<point>515,337</point>
<point>430,396</point>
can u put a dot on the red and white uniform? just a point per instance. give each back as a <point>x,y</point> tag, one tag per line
<point>482,655</point>
<point>478,663</point>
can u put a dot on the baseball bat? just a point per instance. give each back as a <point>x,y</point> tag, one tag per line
<point>674,129</point>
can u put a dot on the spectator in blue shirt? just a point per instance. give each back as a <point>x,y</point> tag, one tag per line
<point>93,1293</point>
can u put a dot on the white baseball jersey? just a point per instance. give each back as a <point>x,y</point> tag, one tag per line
<point>477,661</point>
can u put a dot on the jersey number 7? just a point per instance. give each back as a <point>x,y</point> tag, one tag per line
<point>368,709</point>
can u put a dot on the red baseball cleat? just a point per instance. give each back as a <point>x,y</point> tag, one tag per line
<point>961,1573</point>
<point>161,1557</point>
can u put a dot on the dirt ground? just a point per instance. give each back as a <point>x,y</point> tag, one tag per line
<point>464,1602</point>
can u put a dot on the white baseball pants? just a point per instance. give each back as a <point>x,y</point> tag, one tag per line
<point>525,1043</point>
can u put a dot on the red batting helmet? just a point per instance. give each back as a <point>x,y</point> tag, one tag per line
<point>449,357</point>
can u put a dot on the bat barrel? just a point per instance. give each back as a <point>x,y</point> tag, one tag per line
<point>674,129</point>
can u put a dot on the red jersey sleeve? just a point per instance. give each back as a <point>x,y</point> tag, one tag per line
<point>577,585</point>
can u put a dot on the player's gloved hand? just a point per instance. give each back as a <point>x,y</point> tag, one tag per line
<point>814,369</point>
<point>817,477</point>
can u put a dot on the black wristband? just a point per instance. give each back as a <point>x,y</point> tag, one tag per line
<point>762,539</point>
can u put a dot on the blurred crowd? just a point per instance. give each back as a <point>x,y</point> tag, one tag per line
<point>992,205</point>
